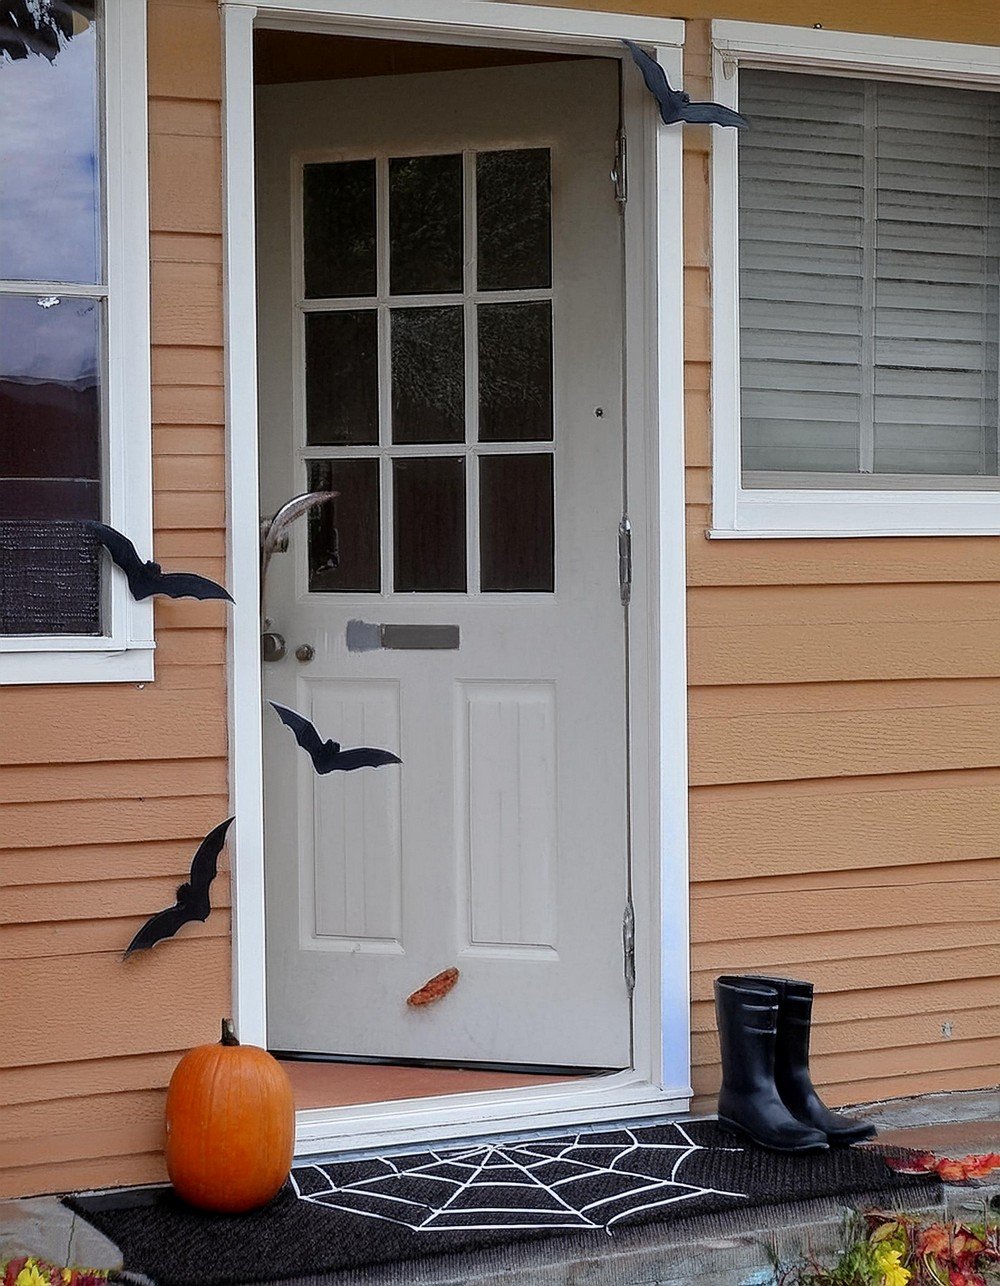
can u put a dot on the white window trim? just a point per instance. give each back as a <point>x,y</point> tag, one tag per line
<point>738,511</point>
<point>125,653</point>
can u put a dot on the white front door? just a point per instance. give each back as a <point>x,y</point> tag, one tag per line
<point>440,342</point>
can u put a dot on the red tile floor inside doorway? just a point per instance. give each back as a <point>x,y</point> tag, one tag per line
<point>322,1084</point>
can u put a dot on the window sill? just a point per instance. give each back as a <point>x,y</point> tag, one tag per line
<point>805,514</point>
<point>26,661</point>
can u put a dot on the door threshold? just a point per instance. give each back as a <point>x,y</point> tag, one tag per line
<point>376,1126</point>
<point>445,1064</point>
<point>321,1084</point>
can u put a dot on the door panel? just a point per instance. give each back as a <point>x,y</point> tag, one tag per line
<point>440,339</point>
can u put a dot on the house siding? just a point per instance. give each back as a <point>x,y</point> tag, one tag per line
<point>845,730</point>
<point>106,790</point>
<point>844,735</point>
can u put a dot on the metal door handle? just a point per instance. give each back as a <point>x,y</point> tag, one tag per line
<point>272,646</point>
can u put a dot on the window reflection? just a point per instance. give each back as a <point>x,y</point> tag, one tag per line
<point>50,414</point>
<point>50,183</point>
<point>428,375</point>
<point>425,224</point>
<point>429,524</point>
<point>338,228</point>
<point>513,204</point>
<point>515,372</point>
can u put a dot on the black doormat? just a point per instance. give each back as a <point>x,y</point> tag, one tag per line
<point>359,1214</point>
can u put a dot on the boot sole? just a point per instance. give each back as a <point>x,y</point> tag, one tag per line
<point>851,1143</point>
<point>731,1127</point>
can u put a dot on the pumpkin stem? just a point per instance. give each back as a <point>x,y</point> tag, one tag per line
<point>228,1034</point>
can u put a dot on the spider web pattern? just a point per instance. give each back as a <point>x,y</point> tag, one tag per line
<point>589,1181</point>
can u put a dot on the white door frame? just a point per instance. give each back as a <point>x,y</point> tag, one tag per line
<point>659,1081</point>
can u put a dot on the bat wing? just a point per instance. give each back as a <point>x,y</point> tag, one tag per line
<point>674,104</point>
<point>712,114</point>
<point>162,925</point>
<point>205,864</point>
<point>652,73</point>
<point>364,757</point>
<point>189,585</point>
<point>123,554</point>
<point>321,752</point>
<point>192,898</point>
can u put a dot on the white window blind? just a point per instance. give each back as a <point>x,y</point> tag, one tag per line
<point>869,286</point>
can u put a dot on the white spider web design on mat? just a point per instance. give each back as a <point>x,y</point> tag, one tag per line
<point>588,1182</point>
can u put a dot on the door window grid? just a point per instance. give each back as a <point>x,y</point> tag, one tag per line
<point>383,303</point>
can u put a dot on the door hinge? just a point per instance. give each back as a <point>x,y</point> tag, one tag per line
<point>619,171</point>
<point>625,559</point>
<point>628,946</point>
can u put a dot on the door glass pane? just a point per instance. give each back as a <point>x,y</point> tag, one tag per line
<point>428,375</point>
<point>516,523</point>
<point>513,217</point>
<point>515,372</point>
<point>341,378</point>
<point>344,533</point>
<point>429,524</point>
<point>338,229</point>
<point>50,406</point>
<point>50,180</point>
<point>425,224</point>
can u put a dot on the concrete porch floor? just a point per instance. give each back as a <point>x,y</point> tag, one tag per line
<point>731,1251</point>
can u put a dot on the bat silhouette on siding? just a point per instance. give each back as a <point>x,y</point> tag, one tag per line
<point>192,898</point>
<point>146,579</point>
<point>327,756</point>
<point>675,105</point>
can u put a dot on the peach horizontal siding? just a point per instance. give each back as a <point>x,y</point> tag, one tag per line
<point>845,708</point>
<point>105,791</point>
<point>845,738</point>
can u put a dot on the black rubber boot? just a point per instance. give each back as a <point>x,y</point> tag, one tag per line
<point>749,1103</point>
<point>791,1066</point>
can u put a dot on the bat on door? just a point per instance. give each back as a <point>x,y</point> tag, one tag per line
<point>146,579</point>
<point>675,105</point>
<point>327,756</point>
<point>192,897</point>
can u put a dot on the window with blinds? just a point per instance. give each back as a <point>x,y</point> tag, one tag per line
<point>869,283</point>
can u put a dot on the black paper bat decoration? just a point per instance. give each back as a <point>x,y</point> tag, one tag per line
<point>675,105</point>
<point>327,756</point>
<point>146,579</point>
<point>192,898</point>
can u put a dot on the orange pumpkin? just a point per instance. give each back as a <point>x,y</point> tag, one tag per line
<point>230,1126</point>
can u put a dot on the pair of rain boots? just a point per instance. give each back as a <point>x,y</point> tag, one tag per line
<point>767,1093</point>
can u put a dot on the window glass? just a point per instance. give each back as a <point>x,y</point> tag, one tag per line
<point>342,378</point>
<point>869,284</point>
<point>513,219</point>
<point>344,533</point>
<point>428,375</point>
<point>516,523</point>
<point>429,524</point>
<point>50,412</point>
<point>515,372</point>
<point>52,359</point>
<point>429,412</point>
<point>425,224</point>
<point>338,229</point>
<point>50,172</point>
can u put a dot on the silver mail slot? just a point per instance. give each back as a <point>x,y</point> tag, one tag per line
<point>405,637</point>
<point>365,637</point>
